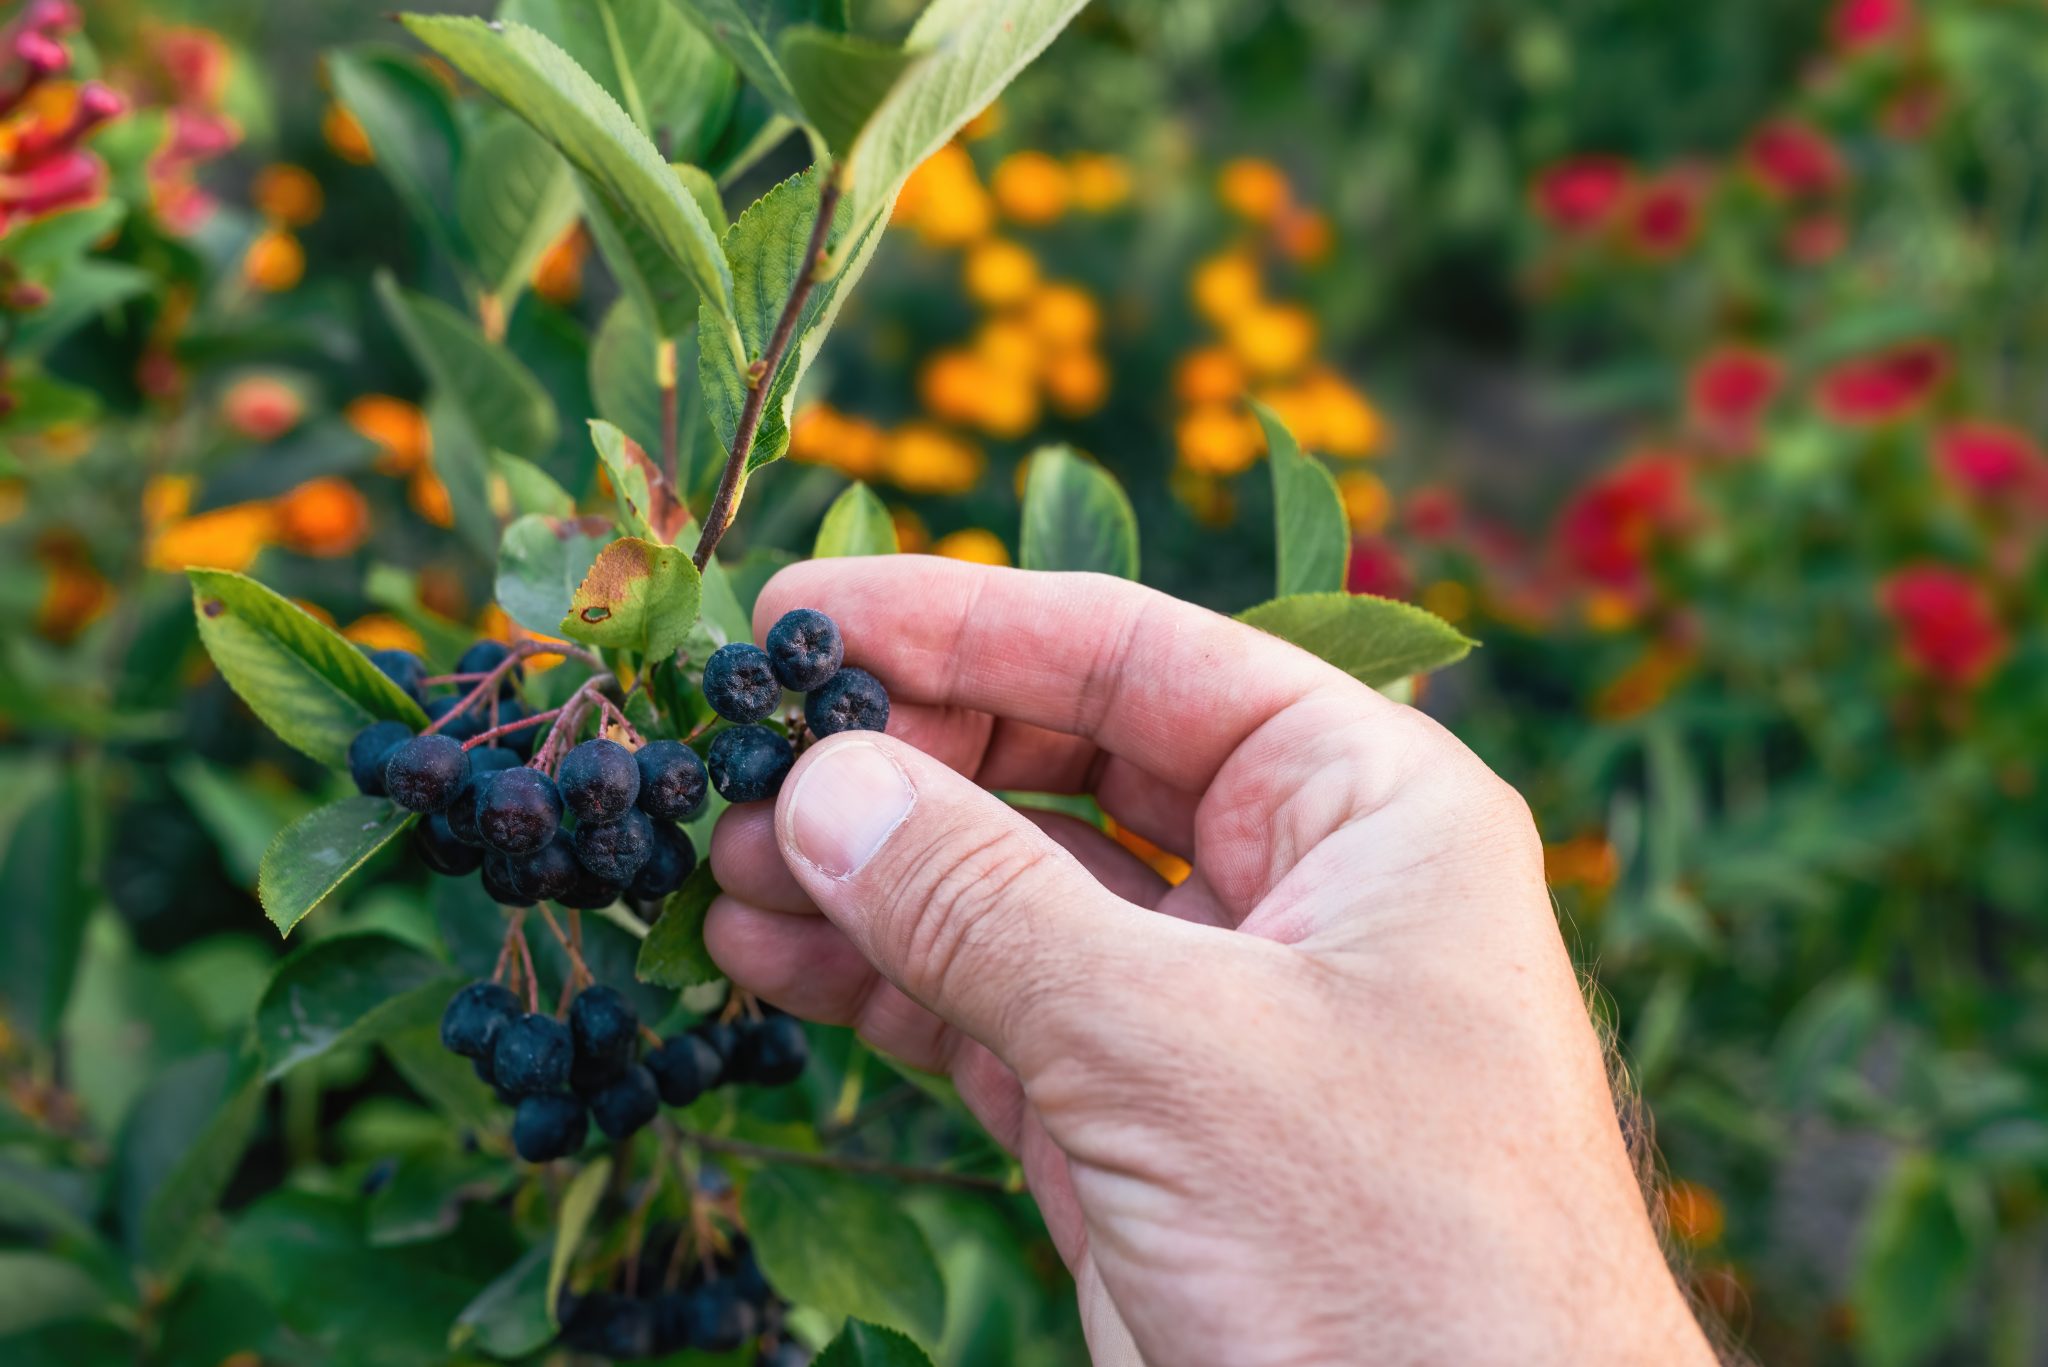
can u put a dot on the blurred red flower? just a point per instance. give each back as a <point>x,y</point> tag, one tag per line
<point>1727,394</point>
<point>1860,24</point>
<point>195,64</point>
<point>1816,238</point>
<point>1607,530</point>
<point>1581,194</point>
<point>1664,217</point>
<point>1376,568</point>
<point>1947,623</point>
<point>1989,461</point>
<point>1870,391</point>
<point>1433,512</point>
<point>1794,160</point>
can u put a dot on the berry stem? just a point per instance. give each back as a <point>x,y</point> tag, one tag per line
<point>532,977</point>
<point>579,971</point>
<point>833,1162</point>
<point>509,727</point>
<point>487,685</point>
<point>761,376</point>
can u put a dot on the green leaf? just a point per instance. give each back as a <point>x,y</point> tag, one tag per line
<point>639,596</point>
<point>445,1079</point>
<point>647,275</point>
<point>673,954</point>
<point>1076,517</point>
<point>515,197</point>
<point>425,1196</point>
<point>528,488</point>
<point>579,1203</point>
<point>348,990</point>
<point>40,1288</point>
<point>767,249</point>
<point>843,1245</point>
<point>509,1319</point>
<point>728,24</point>
<point>624,386</point>
<point>1375,640</point>
<point>47,888</point>
<point>664,72</point>
<point>545,86</point>
<point>306,683</point>
<point>498,396</point>
<point>857,523</point>
<point>410,122</point>
<point>55,239</point>
<point>314,855</point>
<point>1310,529</point>
<point>840,79</point>
<point>1922,1240</point>
<point>627,466</point>
<point>541,561</point>
<point>464,465</point>
<point>976,48</point>
<point>177,1214</point>
<point>81,292</point>
<point>869,1345</point>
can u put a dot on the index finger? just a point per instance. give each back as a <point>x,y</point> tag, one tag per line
<point>1171,687</point>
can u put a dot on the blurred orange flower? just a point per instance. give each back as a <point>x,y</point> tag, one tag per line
<point>1076,382</point>
<point>926,459</point>
<point>345,136</point>
<point>323,517</point>
<point>1100,181</point>
<point>398,428</point>
<point>1218,439</point>
<point>288,195</point>
<point>275,262</point>
<point>1226,286</point>
<point>1031,188</point>
<point>1000,273</point>
<point>1208,375</point>
<point>975,544</point>
<point>1253,189</point>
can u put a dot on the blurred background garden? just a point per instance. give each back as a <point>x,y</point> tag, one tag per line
<point>1692,359</point>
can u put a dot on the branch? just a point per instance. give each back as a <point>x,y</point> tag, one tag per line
<point>832,1162</point>
<point>487,685</point>
<point>761,378</point>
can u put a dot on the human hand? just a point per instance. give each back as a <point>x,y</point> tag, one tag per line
<point>1335,1098</point>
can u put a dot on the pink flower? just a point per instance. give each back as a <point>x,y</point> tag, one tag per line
<point>1948,625</point>
<point>1871,391</point>
<point>1434,512</point>
<point>1609,528</point>
<point>1990,462</point>
<point>1664,217</point>
<point>1794,160</point>
<point>1375,568</point>
<point>1728,393</point>
<point>1581,194</point>
<point>1860,24</point>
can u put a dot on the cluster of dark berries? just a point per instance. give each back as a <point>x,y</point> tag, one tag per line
<point>562,1075</point>
<point>721,1308</point>
<point>744,682</point>
<point>605,829</point>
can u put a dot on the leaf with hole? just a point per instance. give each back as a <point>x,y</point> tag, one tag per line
<point>639,596</point>
<point>1076,517</point>
<point>300,677</point>
<point>1375,640</point>
<point>541,563</point>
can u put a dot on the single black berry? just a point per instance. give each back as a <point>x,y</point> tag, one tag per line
<point>518,810</point>
<point>468,726</point>
<point>805,649</point>
<point>770,1052</point>
<point>748,763</point>
<point>684,1068</point>
<point>549,1125</point>
<point>442,851</point>
<point>851,700</point>
<point>532,1054</point>
<point>484,761</point>
<point>403,668</point>
<point>672,780</point>
<point>669,863</point>
<point>747,1276</point>
<point>371,750</point>
<point>474,1017</point>
<point>425,773</point>
<point>546,873</point>
<point>604,1026</point>
<point>740,683</point>
<point>628,1103</point>
<point>718,1318</point>
<point>482,658</point>
<point>721,1040</point>
<point>497,880</point>
<point>481,1066</point>
<point>599,780</point>
<point>615,850</point>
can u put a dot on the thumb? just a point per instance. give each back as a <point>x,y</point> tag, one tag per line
<point>960,901</point>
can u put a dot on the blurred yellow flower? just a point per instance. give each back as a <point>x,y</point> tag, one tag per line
<point>1077,382</point>
<point>1009,346</point>
<point>1368,507</point>
<point>974,544</point>
<point>558,275</point>
<point>1216,439</point>
<point>1000,273</point>
<point>399,430</point>
<point>1607,610</point>
<point>382,631</point>
<point>287,195</point>
<point>1226,286</point>
<point>1349,426</point>
<point>1253,189</point>
<point>323,517</point>
<point>986,124</point>
<point>275,262</point>
<point>1274,339</point>
<point>1031,188</point>
<point>166,498</point>
<point>428,495</point>
<point>944,200</point>
<point>1100,181</point>
<point>346,136</point>
<point>953,386</point>
<point>1062,316</point>
<point>1208,375</point>
<point>912,536</point>
<point>822,435</point>
<point>223,539</point>
<point>923,458</point>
